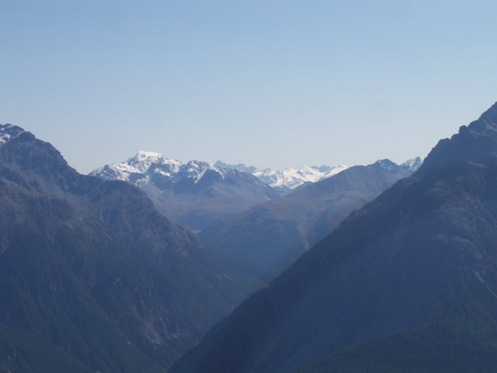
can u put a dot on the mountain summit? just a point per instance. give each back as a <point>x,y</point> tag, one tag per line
<point>407,283</point>
<point>8,132</point>
<point>194,194</point>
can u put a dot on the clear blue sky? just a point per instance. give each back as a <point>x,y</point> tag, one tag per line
<point>268,83</point>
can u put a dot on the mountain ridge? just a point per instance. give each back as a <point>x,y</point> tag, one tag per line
<point>92,268</point>
<point>195,194</point>
<point>424,263</point>
<point>266,239</point>
<point>289,178</point>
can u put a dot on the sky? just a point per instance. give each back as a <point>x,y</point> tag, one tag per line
<point>267,83</point>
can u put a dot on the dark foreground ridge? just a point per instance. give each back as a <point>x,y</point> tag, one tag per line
<point>408,283</point>
<point>92,276</point>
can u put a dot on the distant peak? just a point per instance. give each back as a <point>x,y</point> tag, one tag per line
<point>142,154</point>
<point>144,159</point>
<point>8,125</point>
<point>9,132</point>
<point>412,164</point>
<point>239,167</point>
<point>386,164</point>
<point>199,163</point>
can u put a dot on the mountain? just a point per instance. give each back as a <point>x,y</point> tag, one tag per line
<point>92,276</point>
<point>412,165</point>
<point>288,179</point>
<point>265,240</point>
<point>194,194</point>
<point>240,167</point>
<point>406,284</point>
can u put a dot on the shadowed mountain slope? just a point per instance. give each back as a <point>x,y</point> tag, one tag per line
<point>407,283</point>
<point>265,240</point>
<point>91,271</point>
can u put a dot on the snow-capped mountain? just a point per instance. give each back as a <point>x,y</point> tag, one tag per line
<point>413,164</point>
<point>410,165</point>
<point>9,132</point>
<point>290,178</point>
<point>145,166</point>
<point>199,194</point>
<point>196,194</point>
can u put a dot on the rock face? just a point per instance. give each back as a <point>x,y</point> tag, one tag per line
<point>265,240</point>
<point>92,276</point>
<point>194,194</point>
<point>407,283</point>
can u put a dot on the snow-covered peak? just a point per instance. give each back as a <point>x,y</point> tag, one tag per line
<point>143,154</point>
<point>146,166</point>
<point>8,132</point>
<point>143,160</point>
<point>239,167</point>
<point>387,164</point>
<point>199,165</point>
<point>142,163</point>
<point>412,164</point>
<point>196,169</point>
<point>288,178</point>
<point>292,178</point>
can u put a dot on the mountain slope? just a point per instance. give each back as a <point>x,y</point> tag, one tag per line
<point>93,270</point>
<point>265,240</point>
<point>196,194</point>
<point>412,269</point>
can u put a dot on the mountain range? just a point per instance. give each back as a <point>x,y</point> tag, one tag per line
<point>200,195</point>
<point>288,179</point>
<point>92,276</point>
<point>408,283</point>
<point>241,218</point>
<point>266,239</point>
<point>194,194</point>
